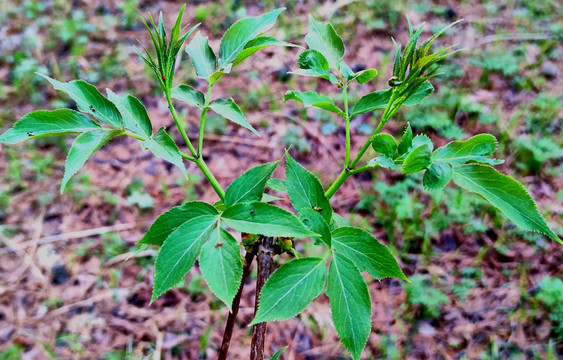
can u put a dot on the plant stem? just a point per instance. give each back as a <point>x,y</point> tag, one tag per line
<point>179,124</point>
<point>198,158</point>
<point>202,121</point>
<point>210,177</point>
<point>347,121</point>
<point>249,257</point>
<point>349,169</point>
<point>265,263</point>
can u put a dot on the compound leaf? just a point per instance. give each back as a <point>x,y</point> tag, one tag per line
<point>504,193</point>
<point>221,265</point>
<point>230,111</point>
<point>240,33</point>
<point>323,38</point>
<point>169,221</point>
<point>84,146</point>
<point>366,252</point>
<point>350,304</point>
<point>133,112</point>
<point>162,146</point>
<point>249,187</point>
<point>305,190</point>
<point>179,252</point>
<point>290,289</point>
<point>89,100</point>
<point>264,219</point>
<point>48,123</point>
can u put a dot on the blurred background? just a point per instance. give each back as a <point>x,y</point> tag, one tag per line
<point>73,284</point>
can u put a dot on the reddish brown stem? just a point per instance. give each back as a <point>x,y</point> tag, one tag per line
<point>265,264</point>
<point>231,319</point>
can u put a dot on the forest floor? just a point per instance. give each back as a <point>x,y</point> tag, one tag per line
<point>74,284</point>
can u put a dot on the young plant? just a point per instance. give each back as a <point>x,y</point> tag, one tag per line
<point>198,230</point>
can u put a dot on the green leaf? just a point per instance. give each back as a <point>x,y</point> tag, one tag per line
<point>202,56</point>
<point>305,190</point>
<point>421,92</point>
<point>350,304</point>
<point>230,111</point>
<point>189,95</point>
<point>264,219</point>
<point>84,146</point>
<point>365,76</point>
<point>314,221</point>
<point>366,252</point>
<point>133,112</point>
<point>89,100</point>
<point>417,160</point>
<point>179,252</point>
<point>323,38</point>
<point>377,100</point>
<point>383,161</point>
<point>504,193</point>
<point>249,187</point>
<point>259,43</point>
<point>48,123</point>
<point>384,144</point>
<point>475,149</point>
<point>311,98</point>
<point>406,140</point>
<point>221,265</point>
<point>169,221</point>
<point>276,184</point>
<point>290,289</point>
<point>162,146</point>
<point>276,356</point>
<point>313,63</point>
<point>240,33</point>
<point>437,175</point>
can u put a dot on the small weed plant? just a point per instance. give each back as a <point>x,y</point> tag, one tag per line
<point>201,231</point>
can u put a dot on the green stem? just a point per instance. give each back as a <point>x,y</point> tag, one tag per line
<point>337,183</point>
<point>198,158</point>
<point>210,177</point>
<point>347,121</point>
<point>360,169</point>
<point>179,124</point>
<point>349,169</point>
<point>202,121</point>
